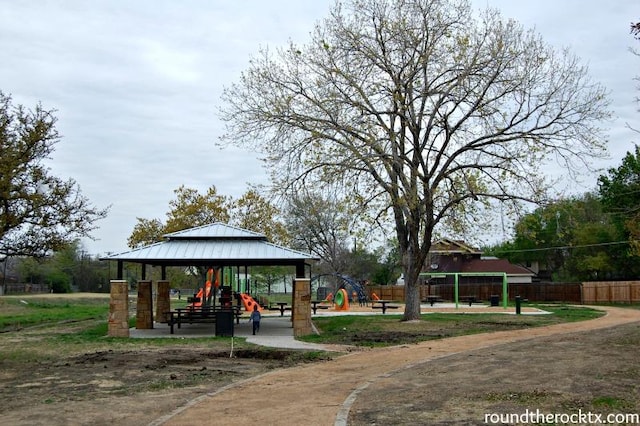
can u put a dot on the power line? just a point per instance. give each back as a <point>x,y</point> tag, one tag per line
<point>569,247</point>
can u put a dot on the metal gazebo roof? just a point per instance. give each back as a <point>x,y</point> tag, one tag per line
<point>216,244</point>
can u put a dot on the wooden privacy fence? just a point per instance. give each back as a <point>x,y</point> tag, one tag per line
<point>535,292</point>
<point>611,292</point>
<point>588,292</point>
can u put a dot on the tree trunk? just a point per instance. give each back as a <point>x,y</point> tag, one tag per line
<point>411,288</point>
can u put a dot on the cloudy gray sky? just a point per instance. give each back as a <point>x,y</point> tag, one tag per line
<point>136,85</point>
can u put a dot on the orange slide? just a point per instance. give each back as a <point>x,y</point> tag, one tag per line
<point>207,289</point>
<point>249,302</point>
<point>202,296</point>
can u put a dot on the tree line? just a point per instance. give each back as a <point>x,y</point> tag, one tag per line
<point>588,237</point>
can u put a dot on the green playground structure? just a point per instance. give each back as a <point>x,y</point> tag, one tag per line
<point>456,275</point>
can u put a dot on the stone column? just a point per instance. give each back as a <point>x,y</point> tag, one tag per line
<point>144,306</point>
<point>163,302</point>
<point>301,311</point>
<point>119,309</point>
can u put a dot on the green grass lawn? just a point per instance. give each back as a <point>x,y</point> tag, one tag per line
<point>385,330</point>
<point>17,312</point>
<point>83,321</point>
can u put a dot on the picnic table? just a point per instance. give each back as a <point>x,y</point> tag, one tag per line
<point>431,299</point>
<point>316,304</point>
<point>384,305</point>
<point>469,299</point>
<point>199,314</point>
<point>283,306</point>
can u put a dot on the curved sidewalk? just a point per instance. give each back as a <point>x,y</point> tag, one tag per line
<point>322,393</point>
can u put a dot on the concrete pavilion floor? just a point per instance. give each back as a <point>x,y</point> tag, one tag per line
<point>276,331</point>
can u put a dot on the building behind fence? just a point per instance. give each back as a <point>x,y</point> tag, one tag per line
<point>588,292</point>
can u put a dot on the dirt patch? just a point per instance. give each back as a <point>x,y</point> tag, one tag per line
<point>125,386</point>
<point>596,371</point>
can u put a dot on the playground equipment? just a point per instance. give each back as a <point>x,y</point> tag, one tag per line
<point>456,284</point>
<point>249,302</point>
<point>205,292</point>
<point>349,284</point>
<point>341,300</point>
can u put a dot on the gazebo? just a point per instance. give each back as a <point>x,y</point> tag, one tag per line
<point>217,246</point>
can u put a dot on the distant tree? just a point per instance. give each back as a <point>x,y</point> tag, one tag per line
<point>388,270</point>
<point>145,232</point>
<point>620,193</point>
<point>572,239</point>
<point>39,213</point>
<point>360,264</point>
<point>420,109</point>
<point>265,278</point>
<point>254,212</point>
<point>320,224</point>
<point>189,209</point>
<point>29,270</point>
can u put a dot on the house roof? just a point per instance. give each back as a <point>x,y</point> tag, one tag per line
<point>495,265</point>
<point>216,244</point>
<point>448,246</point>
<point>456,256</point>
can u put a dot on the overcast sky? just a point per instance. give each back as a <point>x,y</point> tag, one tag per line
<point>136,85</point>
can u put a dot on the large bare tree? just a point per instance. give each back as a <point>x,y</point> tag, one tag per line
<point>420,108</point>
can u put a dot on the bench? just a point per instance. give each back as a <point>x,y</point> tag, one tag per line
<point>202,314</point>
<point>315,308</point>
<point>318,304</point>
<point>384,305</point>
<point>433,299</point>
<point>470,299</point>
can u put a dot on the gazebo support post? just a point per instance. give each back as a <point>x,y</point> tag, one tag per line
<point>144,306</point>
<point>301,307</point>
<point>301,303</point>
<point>118,325</point>
<point>163,301</point>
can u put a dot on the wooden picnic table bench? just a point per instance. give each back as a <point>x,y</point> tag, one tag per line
<point>469,299</point>
<point>316,304</point>
<point>384,305</point>
<point>199,314</point>
<point>282,306</point>
<point>431,299</point>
